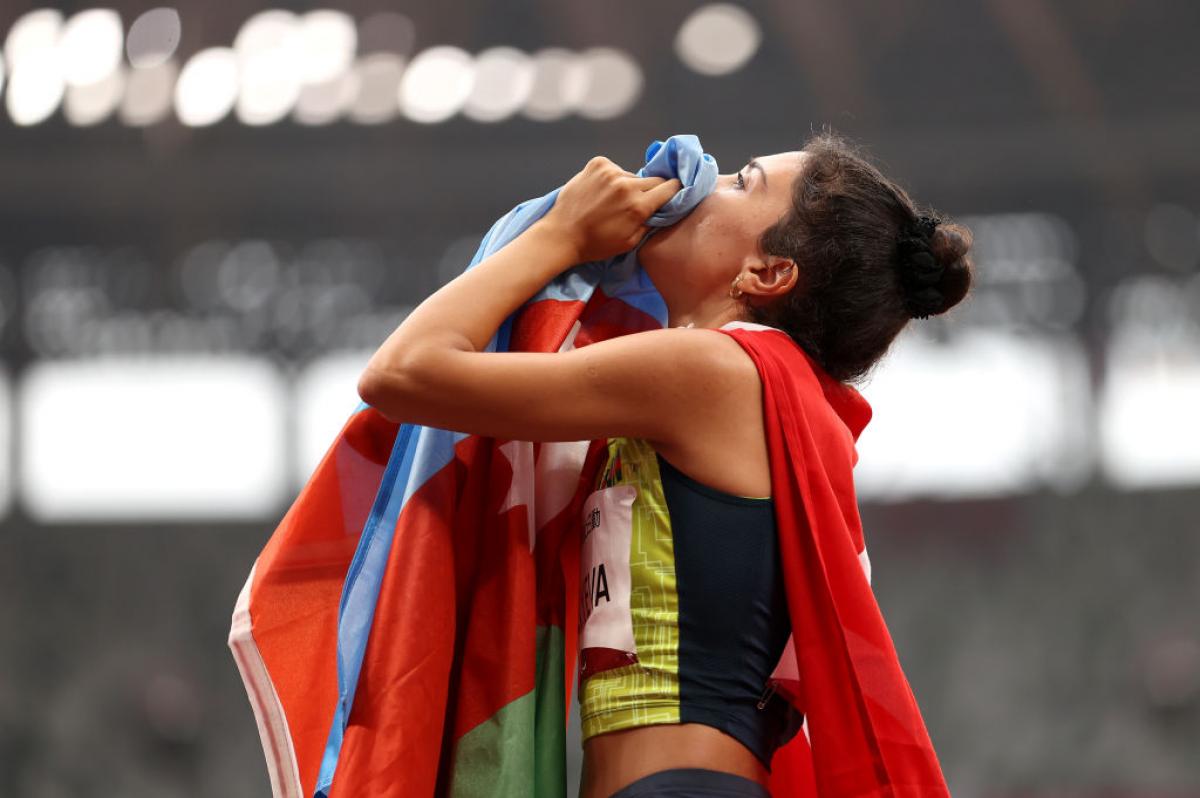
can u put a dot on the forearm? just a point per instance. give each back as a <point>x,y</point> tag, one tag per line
<point>465,313</point>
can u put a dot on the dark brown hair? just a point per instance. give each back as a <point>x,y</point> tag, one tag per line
<point>843,231</point>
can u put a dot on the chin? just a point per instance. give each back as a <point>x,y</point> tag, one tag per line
<point>669,245</point>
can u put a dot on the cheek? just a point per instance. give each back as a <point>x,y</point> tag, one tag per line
<point>717,230</point>
<point>727,227</point>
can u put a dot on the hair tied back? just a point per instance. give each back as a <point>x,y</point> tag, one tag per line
<point>920,271</point>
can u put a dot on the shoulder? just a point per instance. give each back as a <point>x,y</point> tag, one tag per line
<point>694,376</point>
<point>704,359</point>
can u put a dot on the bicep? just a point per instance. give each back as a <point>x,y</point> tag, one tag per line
<point>644,385</point>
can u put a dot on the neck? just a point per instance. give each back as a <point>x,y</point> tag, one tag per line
<point>707,315</point>
<point>689,299</point>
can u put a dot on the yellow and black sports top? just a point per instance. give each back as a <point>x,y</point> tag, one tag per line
<point>683,612</point>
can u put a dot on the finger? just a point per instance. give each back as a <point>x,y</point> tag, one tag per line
<point>646,183</point>
<point>660,194</point>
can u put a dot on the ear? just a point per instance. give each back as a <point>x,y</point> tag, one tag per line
<point>773,277</point>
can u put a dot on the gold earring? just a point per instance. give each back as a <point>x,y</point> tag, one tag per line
<point>734,287</point>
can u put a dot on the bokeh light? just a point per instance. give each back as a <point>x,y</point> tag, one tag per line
<point>35,87</point>
<point>377,81</point>
<point>6,480</point>
<point>92,103</point>
<point>93,434</point>
<point>328,40</point>
<point>559,83</point>
<point>35,79</point>
<point>718,39</point>
<point>436,84</point>
<point>271,65</point>
<point>32,34</point>
<point>614,83</point>
<point>325,395</point>
<point>148,93</point>
<point>322,103</point>
<point>503,81</point>
<point>207,87</point>
<point>153,38</point>
<point>1032,436</point>
<point>91,45</point>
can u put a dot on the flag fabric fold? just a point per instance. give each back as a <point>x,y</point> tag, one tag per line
<point>409,627</point>
<point>864,731</point>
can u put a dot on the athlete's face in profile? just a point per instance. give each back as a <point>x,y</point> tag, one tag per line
<point>708,248</point>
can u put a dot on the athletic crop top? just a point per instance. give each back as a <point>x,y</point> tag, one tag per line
<point>683,612</point>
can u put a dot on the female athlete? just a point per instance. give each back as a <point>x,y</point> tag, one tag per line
<point>816,243</point>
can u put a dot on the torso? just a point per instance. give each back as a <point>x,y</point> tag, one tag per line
<point>726,450</point>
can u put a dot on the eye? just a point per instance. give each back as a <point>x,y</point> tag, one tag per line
<point>741,182</point>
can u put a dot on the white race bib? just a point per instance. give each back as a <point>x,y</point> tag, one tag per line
<point>604,619</point>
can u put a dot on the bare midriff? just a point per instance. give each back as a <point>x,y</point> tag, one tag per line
<point>616,759</point>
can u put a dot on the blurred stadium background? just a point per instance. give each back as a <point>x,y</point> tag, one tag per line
<point>211,213</point>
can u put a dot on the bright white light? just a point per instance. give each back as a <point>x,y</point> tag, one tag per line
<point>560,80</point>
<point>91,45</point>
<point>1149,436</point>
<point>377,77</point>
<point>988,414</point>
<point>436,84</point>
<point>35,81</point>
<point>35,88</point>
<point>93,103</point>
<point>153,38</point>
<point>328,40</point>
<point>503,81</point>
<point>5,446</point>
<point>271,66</point>
<point>207,87</point>
<point>147,98</point>
<point>326,395</point>
<point>614,83</point>
<point>322,103</point>
<point>718,39</point>
<point>160,438</point>
<point>267,31</point>
<point>33,33</point>
<point>269,90</point>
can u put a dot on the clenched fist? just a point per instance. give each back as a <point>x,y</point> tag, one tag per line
<point>602,211</point>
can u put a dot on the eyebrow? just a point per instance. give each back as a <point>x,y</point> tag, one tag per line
<point>754,164</point>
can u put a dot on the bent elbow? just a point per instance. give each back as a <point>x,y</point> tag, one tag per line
<point>380,391</point>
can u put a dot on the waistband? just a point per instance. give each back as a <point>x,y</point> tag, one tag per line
<point>692,783</point>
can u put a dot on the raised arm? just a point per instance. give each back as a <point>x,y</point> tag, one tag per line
<point>431,370</point>
<point>654,385</point>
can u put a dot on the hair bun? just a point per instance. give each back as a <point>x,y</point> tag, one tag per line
<point>950,244</point>
<point>934,271</point>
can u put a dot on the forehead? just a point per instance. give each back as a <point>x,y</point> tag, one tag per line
<point>782,161</point>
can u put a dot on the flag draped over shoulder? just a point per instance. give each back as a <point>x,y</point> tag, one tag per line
<point>864,735</point>
<point>404,631</point>
<point>409,629</point>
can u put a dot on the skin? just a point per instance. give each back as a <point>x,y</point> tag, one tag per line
<point>692,263</point>
<point>692,393</point>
